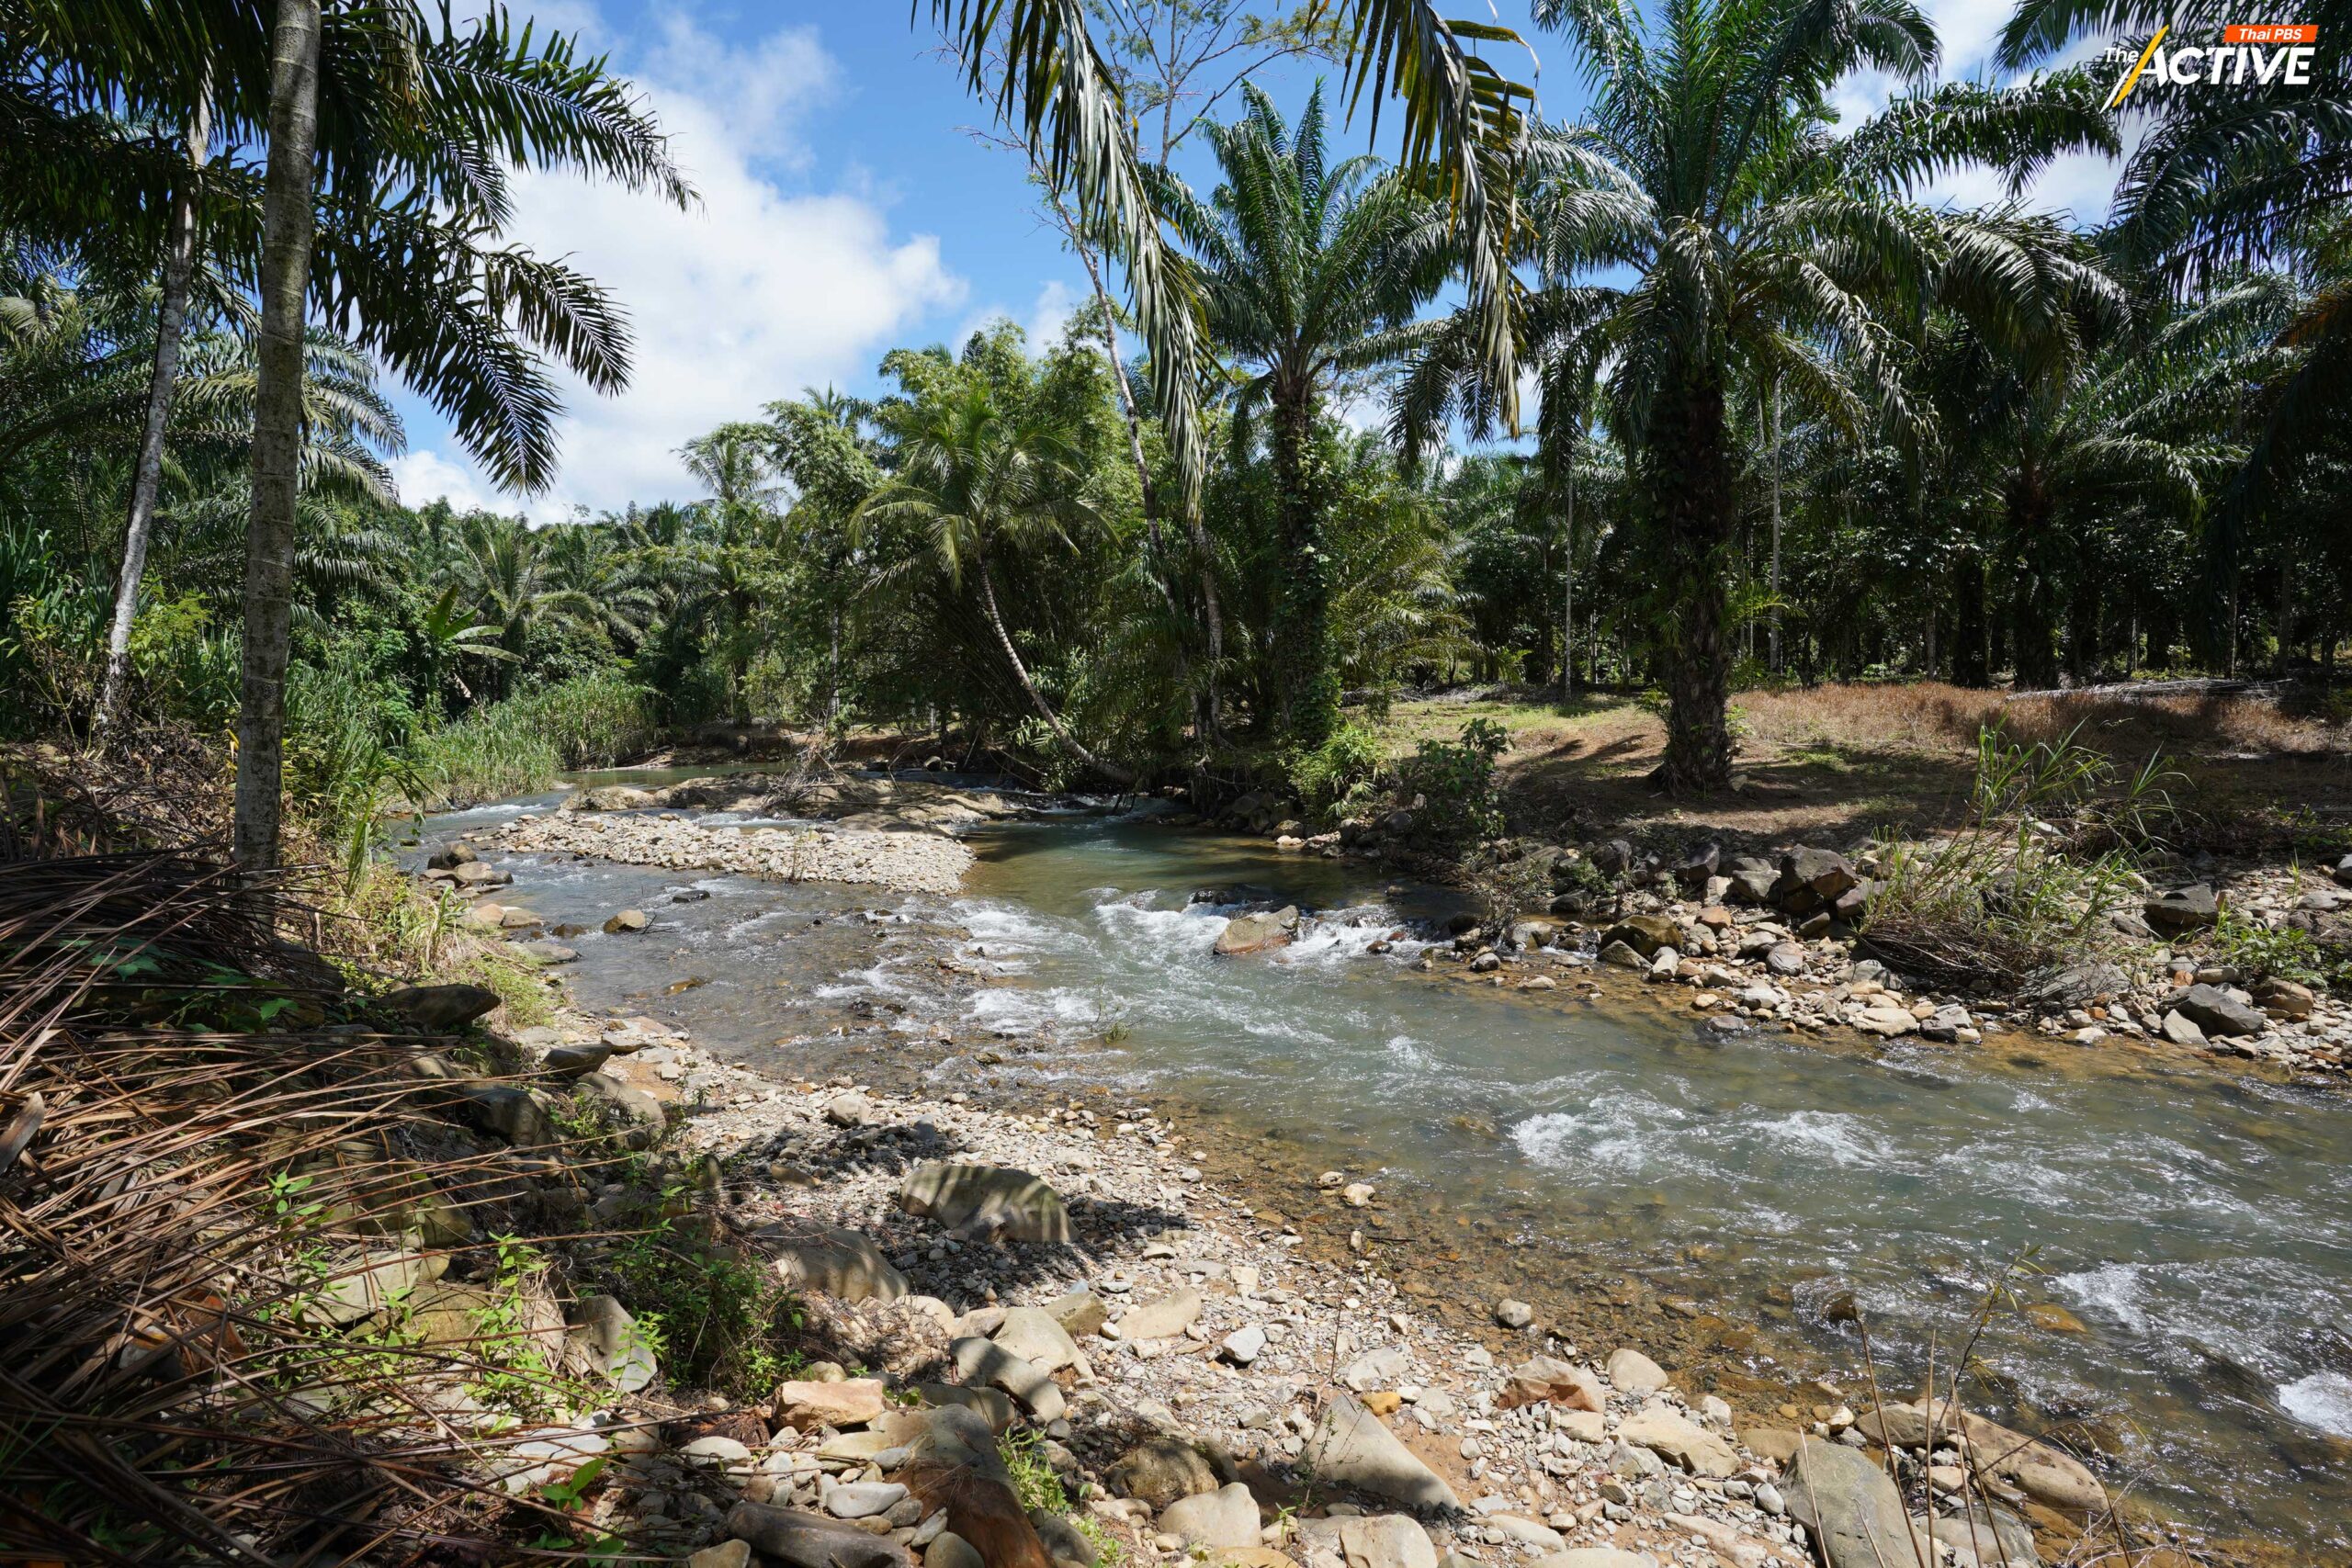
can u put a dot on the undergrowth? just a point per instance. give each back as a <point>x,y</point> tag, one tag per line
<point>715,1319</point>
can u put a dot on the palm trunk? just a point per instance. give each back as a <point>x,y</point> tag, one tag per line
<point>179,267</point>
<point>1690,486</point>
<point>287,197</point>
<point>1307,687</point>
<point>1968,662</point>
<point>1568,593</point>
<point>1036,697</point>
<point>1775,525</point>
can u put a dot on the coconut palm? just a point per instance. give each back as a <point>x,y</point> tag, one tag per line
<point>983,484</point>
<point>1307,270</point>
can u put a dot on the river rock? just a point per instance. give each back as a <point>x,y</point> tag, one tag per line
<point>1162,1319</point>
<point>1385,1541</point>
<point>840,1263</point>
<point>1160,1470</point>
<point>1598,1557</point>
<point>440,1009</point>
<point>1751,878</point>
<point>480,873</point>
<point>2218,1013</point>
<point>1033,1334</point>
<point>1853,1511</point>
<point>1692,1447</point>
<point>948,1549</point>
<point>2182,910</point>
<point>852,1401</point>
<point>985,1362</point>
<point>981,1200</point>
<point>1511,1314</point>
<point>1378,1369</point>
<point>2181,1030</point>
<point>1785,959</point>
<point>1225,1518</point>
<point>606,1338</point>
<point>726,1554</point>
<point>1630,1372</point>
<point>1351,1448</point>
<point>1643,933</point>
<point>1691,872</point>
<point>1622,956</point>
<point>1981,1539</point>
<point>2077,985</point>
<point>1543,1378</point>
<point>2055,1479</point>
<point>1258,934</point>
<point>1244,1345</point>
<point>624,921</point>
<point>573,1061</point>
<point>450,856</point>
<point>547,954</point>
<point>1079,1313</point>
<point>850,1109</point>
<point>515,1115</point>
<point>1884,1021</point>
<point>2284,998</point>
<point>862,1499</point>
<point>801,1539</point>
<point>639,1112</point>
<point>1065,1544</point>
<point>1811,878</point>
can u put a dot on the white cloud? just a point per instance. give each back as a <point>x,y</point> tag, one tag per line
<point>748,297</point>
<point>427,476</point>
<point>1056,304</point>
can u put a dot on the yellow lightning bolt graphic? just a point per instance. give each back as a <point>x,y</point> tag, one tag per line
<point>2131,79</point>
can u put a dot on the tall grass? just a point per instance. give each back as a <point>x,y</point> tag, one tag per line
<point>521,745</point>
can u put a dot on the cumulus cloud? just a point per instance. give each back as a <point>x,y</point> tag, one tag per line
<point>427,476</point>
<point>755,293</point>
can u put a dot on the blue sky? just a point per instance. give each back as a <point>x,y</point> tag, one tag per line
<point>845,211</point>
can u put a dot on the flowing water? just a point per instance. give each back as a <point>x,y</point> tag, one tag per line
<point>1600,1159</point>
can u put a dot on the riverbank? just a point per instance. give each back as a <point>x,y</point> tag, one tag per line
<point>1181,1340</point>
<point>910,861</point>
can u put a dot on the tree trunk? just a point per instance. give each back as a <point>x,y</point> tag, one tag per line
<point>1689,485</point>
<point>1969,665</point>
<point>1307,687</point>
<point>1568,593</point>
<point>287,197</point>
<point>179,267</point>
<point>1775,584</point>
<point>1036,697</point>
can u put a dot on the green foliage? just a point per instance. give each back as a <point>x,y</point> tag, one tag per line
<point>714,1317</point>
<point>522,744</point>
<point>2282,953</point>
<point>1453,782</point>
<point>1337,775</point>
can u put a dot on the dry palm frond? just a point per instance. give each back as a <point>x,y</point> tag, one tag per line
<point>195,1360</point>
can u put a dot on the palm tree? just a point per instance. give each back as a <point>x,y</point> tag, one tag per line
<point>983,484</point>
<point>504,571</point>
<point>1462,132</point>
<point>1765,251</point>
<point>1306,273</point>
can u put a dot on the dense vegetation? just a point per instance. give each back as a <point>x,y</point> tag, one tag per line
<point>1792,419</point>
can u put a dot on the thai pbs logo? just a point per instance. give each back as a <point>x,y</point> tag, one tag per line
<point>2258,54</point>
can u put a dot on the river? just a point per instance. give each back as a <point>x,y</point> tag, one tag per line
<point>1613,1164</point>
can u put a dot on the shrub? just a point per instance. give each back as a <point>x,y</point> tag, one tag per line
<point>1455,783</point>
<point>2284,952</point>
<point>2049,847</point>
<point>1338,773</point>
<point>714,1319</point>
<point>522,744</point>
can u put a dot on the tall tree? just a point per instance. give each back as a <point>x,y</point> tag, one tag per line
<point>278,433</point>
<point>1307,273</point>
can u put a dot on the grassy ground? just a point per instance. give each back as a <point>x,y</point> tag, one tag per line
<point>1833,762</point>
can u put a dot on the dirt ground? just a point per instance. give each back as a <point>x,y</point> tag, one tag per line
<point>1834,762</point>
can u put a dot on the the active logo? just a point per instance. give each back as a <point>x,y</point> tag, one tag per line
<point>2250,54</point>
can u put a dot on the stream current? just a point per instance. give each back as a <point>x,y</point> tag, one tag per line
<point>1602,1161</point>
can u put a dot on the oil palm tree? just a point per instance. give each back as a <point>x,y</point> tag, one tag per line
<point>981,483</point>
<point>1463,127</point>
<point>1307,271</point>
<point>503,573</point>
<point>1764,249</point>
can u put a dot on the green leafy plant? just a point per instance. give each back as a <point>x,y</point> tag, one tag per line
<point>1453,782</point>
<point>716,1318</point>
<point>1339,775</point>
<point>2284,952</point>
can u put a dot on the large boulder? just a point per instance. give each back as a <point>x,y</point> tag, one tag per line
<point>1643,933</point>
<point>1855,1515</point>
<point>2217,1012</point>
<point>839,1263</point>
<point>2078,985</point>
<point>1752,877</point>
<point>986,1363</point>
<point>1258,934</point>
<point>1811,879</point>
<point>1351,1448</point>
<point>981,1200</point>
<point>2183,910</point>
<point>1225,1518</point>
<point>1160,1470</point>
<point>440,1009</point>
<point>1630,1372</point>
<point>851,1401</point>
<point>1385,1541</point>
<point>605,1338</point>
<point>1684,1441</point>
<point>2055,1479</point>
<point>1162,1319</point>
<point>1034,1335</point>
